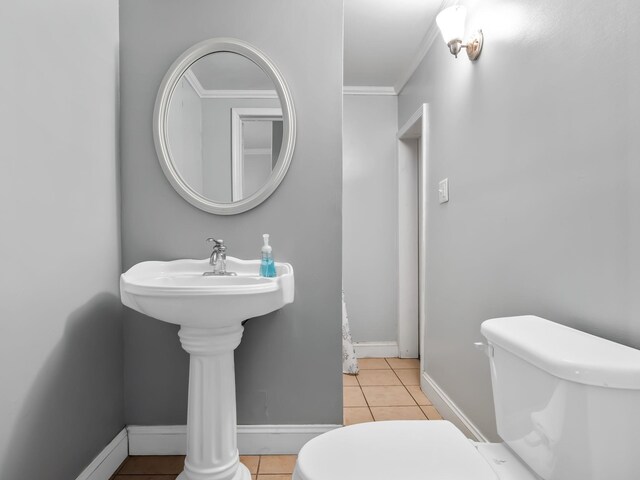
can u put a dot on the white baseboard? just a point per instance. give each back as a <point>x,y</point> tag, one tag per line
<point>108,460</point>
<point>157,439</point>
<point>449,410</point>
<point>376,349</point>
<point>252,439</point>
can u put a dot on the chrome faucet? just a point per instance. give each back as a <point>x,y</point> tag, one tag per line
<point>218,259</point>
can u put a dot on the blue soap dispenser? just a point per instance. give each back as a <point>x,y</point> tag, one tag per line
<point>267,267</point>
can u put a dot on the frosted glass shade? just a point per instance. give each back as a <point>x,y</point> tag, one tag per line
<point>451,23</point>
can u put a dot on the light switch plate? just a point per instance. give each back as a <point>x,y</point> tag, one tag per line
<point>443,190</point>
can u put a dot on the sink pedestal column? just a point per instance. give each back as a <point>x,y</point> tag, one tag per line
<point>212,451</point>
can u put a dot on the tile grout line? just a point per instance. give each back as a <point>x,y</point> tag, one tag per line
<point>415,401</point>
<point>402,383</point>
<point>365,399</point>
<point>407,390</point>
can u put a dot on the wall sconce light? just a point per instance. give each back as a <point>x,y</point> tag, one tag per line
<point>451,23</point>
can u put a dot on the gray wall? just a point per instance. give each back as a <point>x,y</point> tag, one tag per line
<point>61,369</point>
<point>184,132</point>
<point>539,140</point>
<point>288,365</point>
<point>370,216</point>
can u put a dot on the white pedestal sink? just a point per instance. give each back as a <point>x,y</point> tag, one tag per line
<point>210,311</point>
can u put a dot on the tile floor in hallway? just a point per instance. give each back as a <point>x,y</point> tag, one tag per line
<point>385,389</point>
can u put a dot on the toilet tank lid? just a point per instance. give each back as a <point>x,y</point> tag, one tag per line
<point>565,352</point>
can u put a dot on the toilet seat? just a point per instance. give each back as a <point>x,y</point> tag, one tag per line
<point>394,450</point>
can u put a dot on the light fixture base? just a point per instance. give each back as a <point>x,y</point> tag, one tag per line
<point>455,46</point>
<point>474,45</point>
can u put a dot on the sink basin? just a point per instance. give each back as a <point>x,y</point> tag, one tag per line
<point>210,311</point>
<point>177,292</point>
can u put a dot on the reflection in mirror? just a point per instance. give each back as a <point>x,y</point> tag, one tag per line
<point>262,140</point>
<point>256,135</point>
<point>224,127</point>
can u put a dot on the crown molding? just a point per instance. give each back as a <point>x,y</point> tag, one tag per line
<point>426,43</point>
<point>194,82</point>
<point>204,93</point>
<point>356,90</point>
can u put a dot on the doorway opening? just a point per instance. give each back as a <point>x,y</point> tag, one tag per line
<point>413,141</point>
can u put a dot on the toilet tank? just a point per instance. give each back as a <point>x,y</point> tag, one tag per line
<point>566,402</point>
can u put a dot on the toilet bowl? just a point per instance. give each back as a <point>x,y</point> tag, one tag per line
<point>405,450</point>
<point>551,385</point>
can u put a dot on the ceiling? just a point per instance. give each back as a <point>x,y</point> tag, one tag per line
<point>382,38</point>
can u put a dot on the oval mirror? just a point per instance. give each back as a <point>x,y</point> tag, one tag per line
<point>224,126</point>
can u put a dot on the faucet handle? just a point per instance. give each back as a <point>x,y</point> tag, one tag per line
<point>217,242</point>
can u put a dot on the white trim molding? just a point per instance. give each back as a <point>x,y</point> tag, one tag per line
<point>256,151</point>
<point>449,410</point>
<point>252,439</point>
<point>413,150</point>
<point>376,349</point>
<point>240,94</point>
<point>355,90</point>
<point>108,460</point>
<point>204,93</point>
<point>427,41</point>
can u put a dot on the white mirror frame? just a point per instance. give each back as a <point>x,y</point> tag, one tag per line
<point>161,114</point>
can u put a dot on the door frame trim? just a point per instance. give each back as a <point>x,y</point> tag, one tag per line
<point>413,142</point>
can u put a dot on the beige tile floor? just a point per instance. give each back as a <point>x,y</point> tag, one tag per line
<point>385,389</point>
<point>265,467</point>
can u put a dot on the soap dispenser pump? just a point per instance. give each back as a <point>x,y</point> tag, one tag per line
<point>267,266</point>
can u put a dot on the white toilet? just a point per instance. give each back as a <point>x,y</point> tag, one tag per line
<point>567,408</point>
